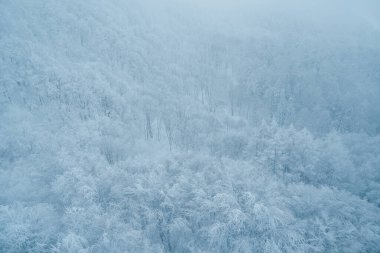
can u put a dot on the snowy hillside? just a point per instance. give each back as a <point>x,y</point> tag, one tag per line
<point>189,126</point>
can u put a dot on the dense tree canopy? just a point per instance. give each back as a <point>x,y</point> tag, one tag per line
<point>189,126</point>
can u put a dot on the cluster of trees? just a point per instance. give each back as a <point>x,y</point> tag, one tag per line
<point>188,203</point>
<point>132,126</point>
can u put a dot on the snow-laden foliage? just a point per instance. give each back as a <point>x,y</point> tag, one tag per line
<point>189,126</point>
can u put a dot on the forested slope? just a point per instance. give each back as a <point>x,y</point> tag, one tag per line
<point>189,126</point>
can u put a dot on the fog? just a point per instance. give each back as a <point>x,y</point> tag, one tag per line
<point>189,126</point>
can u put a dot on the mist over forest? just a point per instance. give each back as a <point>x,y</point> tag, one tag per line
<point>189,126</point>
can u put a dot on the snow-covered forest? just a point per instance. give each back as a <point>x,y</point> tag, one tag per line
<point>189,126</point>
